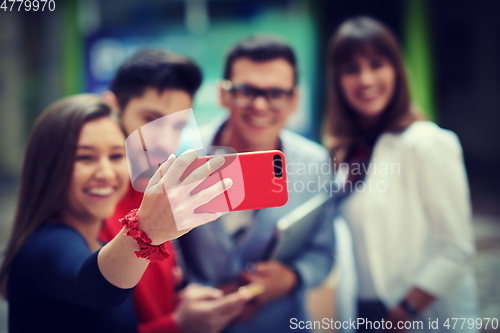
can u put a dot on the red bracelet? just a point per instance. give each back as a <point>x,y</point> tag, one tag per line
<point>147,250</point>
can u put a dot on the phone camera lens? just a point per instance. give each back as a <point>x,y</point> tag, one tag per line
<point>278,166</point>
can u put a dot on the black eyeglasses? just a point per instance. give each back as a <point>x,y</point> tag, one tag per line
<point>244,95</point>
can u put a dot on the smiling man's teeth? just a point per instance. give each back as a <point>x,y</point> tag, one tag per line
<point>100,191</point>
<point>258,122</point>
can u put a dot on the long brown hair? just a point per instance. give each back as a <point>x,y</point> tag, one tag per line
<point>362,36</point>
<point>48,168</point>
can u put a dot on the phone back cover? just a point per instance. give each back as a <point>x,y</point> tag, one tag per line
<point>255,185</point>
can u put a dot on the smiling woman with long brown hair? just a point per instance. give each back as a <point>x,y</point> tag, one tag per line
<point>410,223</point>
<point>56,275</point>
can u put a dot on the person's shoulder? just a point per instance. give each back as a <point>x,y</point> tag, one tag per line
<point>51,238</point>
<point>303,146</point>
<point>425,135</point>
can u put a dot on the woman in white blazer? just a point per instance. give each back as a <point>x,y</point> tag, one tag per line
<point>405,197</point>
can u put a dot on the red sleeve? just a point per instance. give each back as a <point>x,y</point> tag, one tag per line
<point>111,227</point>
<point>160,325</point>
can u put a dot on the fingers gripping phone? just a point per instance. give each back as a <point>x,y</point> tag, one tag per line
<point>259,181</point>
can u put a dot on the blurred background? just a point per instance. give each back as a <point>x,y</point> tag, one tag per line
<point>452,51</point>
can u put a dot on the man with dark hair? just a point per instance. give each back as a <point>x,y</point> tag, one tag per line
<point>147,87</point>
<point>151,85</point>
<point>260,91</point>
<point>156,69</point>
<point>261,48</point>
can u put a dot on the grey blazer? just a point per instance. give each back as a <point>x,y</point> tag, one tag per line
<point>211,258</point>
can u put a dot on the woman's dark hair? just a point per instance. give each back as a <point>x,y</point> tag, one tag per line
<point>261,48</point>
<point>155,69</point>
<point>368,37</point>
<point>48,168</point>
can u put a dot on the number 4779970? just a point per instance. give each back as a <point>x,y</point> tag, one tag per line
<point>28,5</point>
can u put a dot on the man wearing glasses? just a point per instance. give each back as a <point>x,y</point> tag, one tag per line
<point>260,91</point>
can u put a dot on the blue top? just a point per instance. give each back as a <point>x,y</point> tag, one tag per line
<point>55,285</point>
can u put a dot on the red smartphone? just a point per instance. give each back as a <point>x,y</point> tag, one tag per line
<point>259,181</point>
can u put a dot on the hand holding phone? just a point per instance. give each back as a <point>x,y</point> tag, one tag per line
<point>252,289</point>
<point>206,310</point>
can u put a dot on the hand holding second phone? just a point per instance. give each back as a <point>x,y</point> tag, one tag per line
<point>277,280</point>
<point>167,209</point>
<point>274,280</point>
<point>207,310</point>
